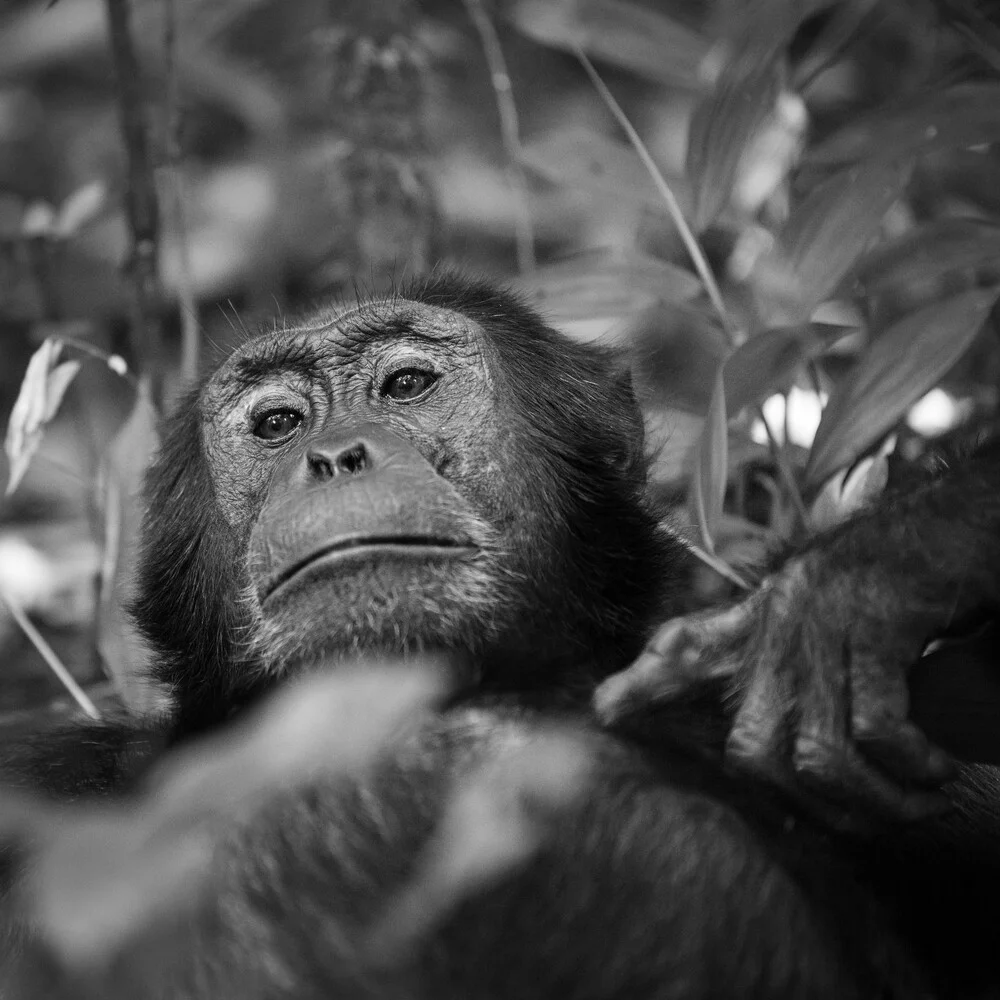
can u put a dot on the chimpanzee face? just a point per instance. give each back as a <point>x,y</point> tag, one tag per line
<point>434,471</point>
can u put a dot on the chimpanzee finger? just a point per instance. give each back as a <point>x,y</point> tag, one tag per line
<point>825,759</point>
<point>880,727</point>
<point>656,677</point>
<point>695,643</point>
<point>758,740</point>
<point>907,754</point>
<point>842,774</point>
<point>683,654</point>
<point>822,693</point>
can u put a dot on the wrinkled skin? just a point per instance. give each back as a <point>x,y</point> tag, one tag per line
<point>816,662</point>
<point>506,525</point>
<point>439,471</point>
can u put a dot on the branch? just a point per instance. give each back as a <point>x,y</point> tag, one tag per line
<point>141,205</point>
<point>190,333</point>
<point>509,130</point>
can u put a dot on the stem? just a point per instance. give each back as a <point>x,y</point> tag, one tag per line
<point>48,654</point>
<point>714,562</point>
<point>673,206</point>
<point>111,360</point>
<point>141,206</point>
<point>190,332</point>
<point>697,258</point>
<point>785,470</point>
<point>510,133</point>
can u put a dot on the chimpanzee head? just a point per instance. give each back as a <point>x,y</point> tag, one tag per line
<point>436,470</point>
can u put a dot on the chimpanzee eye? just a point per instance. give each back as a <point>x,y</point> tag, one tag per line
<point>277,424</point>
<point>407,384</point>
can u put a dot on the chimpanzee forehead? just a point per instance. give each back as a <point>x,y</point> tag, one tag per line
<point>325,338</point>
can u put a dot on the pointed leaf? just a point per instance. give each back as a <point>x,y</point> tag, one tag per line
<point>967,174</point>
<point>124,466</point>
<point>673,438</point>
<point>765,362</point>
<point>79,208</point>
<point>755,30</point>
<point>847,492</point>
<point>676,350</point>
<point>608,283</point>
<point>824,236</point>
<point>580,157</point>
<point>629,35</point>
<point>37,220</point>
<point>42,389</point>
<point>708,490</point>
<point>723,127</point>
<point>927,253</point>
<point>893,373</point>
<point>957,117</point>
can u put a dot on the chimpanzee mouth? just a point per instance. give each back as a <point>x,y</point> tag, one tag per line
<point>417,548</point>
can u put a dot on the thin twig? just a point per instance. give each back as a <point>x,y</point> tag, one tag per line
<point>697,258</point>
<point>114,361</point>
<point>720,567</point>
<point>48,654</point>
<point>141,205</point>
<point>190,332</point>
<point>673,206</point>
<point>784,470</point>
<point>510,133</point>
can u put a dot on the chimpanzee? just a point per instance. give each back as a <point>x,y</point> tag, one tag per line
<point>439,471</point>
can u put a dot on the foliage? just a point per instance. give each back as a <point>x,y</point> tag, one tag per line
<point>795,212</point>
<point>797,217</point>
<point>820,216</point>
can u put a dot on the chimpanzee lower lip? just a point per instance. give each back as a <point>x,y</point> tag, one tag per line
<point>412,546</point>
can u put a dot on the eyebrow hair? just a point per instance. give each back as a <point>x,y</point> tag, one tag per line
<point>373,328</point>
<point>295,355</point>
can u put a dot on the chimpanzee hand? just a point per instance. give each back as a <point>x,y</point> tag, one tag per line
<point>816,667</point>
<point>815,662</point>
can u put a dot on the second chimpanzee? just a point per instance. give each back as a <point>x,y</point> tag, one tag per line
<point>438,470</point>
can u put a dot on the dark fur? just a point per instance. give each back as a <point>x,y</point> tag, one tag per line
<point>582,442</point>
<point>666,879</point>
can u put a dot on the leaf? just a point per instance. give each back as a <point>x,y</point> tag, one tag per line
<point>766,361</point>
<point>723,127</point>
<point>927,253</point>
<point>38,220</point>
<point>675,351</point>
<point>104,872</point>
<point>967,174</point>
<point>673,437</point>
<point>835,32</point>
<point>79,208</point>
<point>824,236</point>
<point>579,157</point>
<point>125,463</point>
<point>42,389</point>
<point>639,39</point>
<point>756,30</point>
<point>493,822</point>
<point>891,374</point>
<point>608,283</point>
<point>708,490</point>
<point>847,492</point>
<point>957,117</point>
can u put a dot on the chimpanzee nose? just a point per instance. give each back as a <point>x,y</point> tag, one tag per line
<point>346,453</point>
<point>328,463</point>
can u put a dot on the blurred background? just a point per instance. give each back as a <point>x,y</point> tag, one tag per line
<point>784,212</point>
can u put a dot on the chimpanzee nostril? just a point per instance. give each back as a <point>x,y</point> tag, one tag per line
<point>352,460</point>
<point>325,465</point>
<point>320,466</point>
